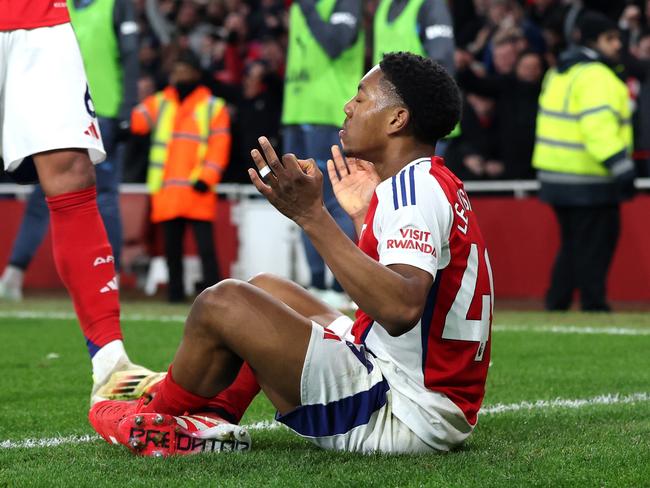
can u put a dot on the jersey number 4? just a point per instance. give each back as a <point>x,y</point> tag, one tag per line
<point>457,326</point>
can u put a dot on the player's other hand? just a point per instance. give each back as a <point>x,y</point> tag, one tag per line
<point>292,185</point>
<point>353,181</point>
<point>200,186</point>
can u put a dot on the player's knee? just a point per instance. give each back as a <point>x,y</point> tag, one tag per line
<point>64,171</point>
<point>81,169</point>
<point>219,300</point>
<point>263,280</point>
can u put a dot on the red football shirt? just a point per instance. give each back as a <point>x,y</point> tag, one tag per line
<point>423,217</point>
<point>31,14</point>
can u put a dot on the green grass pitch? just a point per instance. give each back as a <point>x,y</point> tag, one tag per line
<point>567,404</point>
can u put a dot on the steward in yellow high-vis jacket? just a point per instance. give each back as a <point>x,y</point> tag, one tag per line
<point>582,154</point>
<point>190,149</point>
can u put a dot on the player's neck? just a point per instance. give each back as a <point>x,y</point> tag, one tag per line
<point>401,153</point>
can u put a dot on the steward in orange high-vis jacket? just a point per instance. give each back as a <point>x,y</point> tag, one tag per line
<point>190,142</point>
<point>190,149</point>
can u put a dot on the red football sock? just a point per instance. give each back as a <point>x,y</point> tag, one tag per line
<point>173,399</point>
<point>84,260</point>
<point>232,402</point>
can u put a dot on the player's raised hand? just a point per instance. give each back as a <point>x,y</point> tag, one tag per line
<point>353,181</point>
<point>292,185</point>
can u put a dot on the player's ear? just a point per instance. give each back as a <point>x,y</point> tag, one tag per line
<point>398,120</point>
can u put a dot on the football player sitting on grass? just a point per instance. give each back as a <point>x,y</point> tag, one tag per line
<point>408,375</point>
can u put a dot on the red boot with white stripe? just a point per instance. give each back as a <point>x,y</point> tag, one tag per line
<point>160,435</point>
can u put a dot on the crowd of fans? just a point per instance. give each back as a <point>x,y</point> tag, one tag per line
<point>503,50</point>
<point>242,49</point>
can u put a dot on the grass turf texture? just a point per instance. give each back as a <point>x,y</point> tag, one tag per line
<point>45,396</point>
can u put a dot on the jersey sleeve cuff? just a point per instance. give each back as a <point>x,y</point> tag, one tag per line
<point>430,266</point>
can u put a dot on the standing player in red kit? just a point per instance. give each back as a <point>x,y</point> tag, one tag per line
<point>46,113</point>
<point>409,374</point>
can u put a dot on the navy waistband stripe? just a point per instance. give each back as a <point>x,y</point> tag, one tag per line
<point>338,417</point>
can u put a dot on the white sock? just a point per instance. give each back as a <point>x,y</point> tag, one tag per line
<point>106,359</point>
<point>13,277</point>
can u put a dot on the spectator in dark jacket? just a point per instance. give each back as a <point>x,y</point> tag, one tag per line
<point>471,155</point>
<point>255,108</point>
<point>516,97</point>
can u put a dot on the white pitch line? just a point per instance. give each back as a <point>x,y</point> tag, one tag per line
<point>573,329</point>
<point>553,329</point>
<point>609,399</point>
<point>81,439</point>
<point>51,442</point>
<point>25,314</point>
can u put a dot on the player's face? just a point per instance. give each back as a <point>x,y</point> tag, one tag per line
<point>364,133</point>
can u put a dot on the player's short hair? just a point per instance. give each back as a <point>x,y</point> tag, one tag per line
<point>426,89</point>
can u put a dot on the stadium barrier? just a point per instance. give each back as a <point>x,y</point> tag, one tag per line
<point>251,236</point>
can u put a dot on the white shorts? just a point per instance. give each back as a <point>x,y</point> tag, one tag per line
<point>346,401</point>
<point>45,103</point>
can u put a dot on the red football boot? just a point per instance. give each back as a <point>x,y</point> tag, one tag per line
<point>105,417</point>
<point>155,434</point>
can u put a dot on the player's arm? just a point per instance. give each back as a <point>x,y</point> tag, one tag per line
<point>340,31</point>
<point>126,31</point>
<point>392,295</point>
<point>437,33</point>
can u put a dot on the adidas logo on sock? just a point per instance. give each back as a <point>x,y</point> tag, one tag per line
<point>100,260</point>
<point>110,286</point>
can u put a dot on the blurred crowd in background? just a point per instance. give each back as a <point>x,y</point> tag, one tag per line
<point>190,51</point>
<point>503,48</point>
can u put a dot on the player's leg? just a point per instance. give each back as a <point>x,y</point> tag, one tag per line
<point>173,233</point>
<point>46,78</point>
<point>231,403</point>
<point>234,322</point>
<point>230,323</point>
<point>297,298</point>
<point>256,314</point>
<point>83,256</point>
<point>109,175</point>
<point>30,235</point>
<point>32,229</point>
